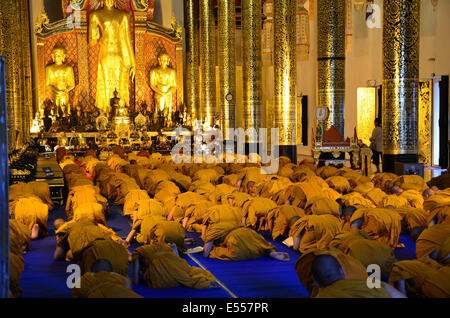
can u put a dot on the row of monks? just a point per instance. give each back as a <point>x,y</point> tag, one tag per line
<point>338,220</point>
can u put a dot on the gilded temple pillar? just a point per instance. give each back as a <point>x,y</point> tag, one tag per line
<point>227,66</point>
<point>207,46</point>
<point>401,31</point>
<point>191,81</point>
<point>252,65</point>
<point>285,110</point>
<point>331,61</point>
<point>15,46</point>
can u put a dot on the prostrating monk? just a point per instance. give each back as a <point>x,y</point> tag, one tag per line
<point>359,245</point>
<point>431,240</point>
<point>314,231</point>
<point>229,240</point>
<point>319,205</point>
<point>280,218</point>
<point>255,213</point>
<point>442,182</point>
<point>352,268</point>
<point>421,278</point>
<point>73,237</point>
<point>438,206</point>
<point>103,282</point>
<point>159,266</point>
<point>332,282</point>
<point>384,180</point>
<point>116,253</point>
<point>410,182</point>
<point>383,225</point>
<point>338,183</point>
<point>184,201</point>
<point>32,212</point>
<point>133,196</point>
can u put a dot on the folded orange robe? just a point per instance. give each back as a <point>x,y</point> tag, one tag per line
<point>167,270</point>
<point>316,231</point>
<point>394,200</point>
<point>376,195</point>
<point>104,285</point>
<point>19,237</point>
<point>356,199</point>
<point>439,207</point>
<point>414,197</point>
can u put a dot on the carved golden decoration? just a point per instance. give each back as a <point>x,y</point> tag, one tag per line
<point>285,97</point>
<point>227,65</point>
<point>192,77</point>
<point>15,47</point>
<point>425,120</point>
<point>331,61</point>
<point>366,105</point>
<point>252,64</point>
<point>400,76</point>
<point>207,62</point>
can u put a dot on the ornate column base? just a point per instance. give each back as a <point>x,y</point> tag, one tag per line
<point>390,160</point>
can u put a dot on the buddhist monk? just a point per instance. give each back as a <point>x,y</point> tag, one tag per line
<point>280,218</point>
<point>314,231</point>
<point>73,237</point>
<point>229,240</point>
<point>383,225</point>
<point>159,266</point>
<point>331,280</point>
<point>431,240</point>
<point>102,282</point>
<point>424,278</point>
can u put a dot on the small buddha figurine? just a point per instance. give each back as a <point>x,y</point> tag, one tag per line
<point>163,81</point>
<point>114,104</point>
<point>59,78</point>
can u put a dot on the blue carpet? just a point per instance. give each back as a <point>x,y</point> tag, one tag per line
<point>259,278</point>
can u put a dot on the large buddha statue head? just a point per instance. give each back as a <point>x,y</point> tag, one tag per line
<point>108,3</point>
<point>164,60</point>
<point>58,55</point>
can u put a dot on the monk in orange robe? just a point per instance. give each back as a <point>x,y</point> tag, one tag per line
<point>424,278</point>
<point>102,282</point>
<point>160,266</point>
<point>333,283</point>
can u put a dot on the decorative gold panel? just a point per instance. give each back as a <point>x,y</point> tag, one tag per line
<point>191,81</point>
<point>401,32</point>
<point>285,98</point>
<point>227,65</point>
<point>366,113</point>
<point>252,63</point>
<point>331,61</point>
<point>207,61</point>
<point>425,120</point>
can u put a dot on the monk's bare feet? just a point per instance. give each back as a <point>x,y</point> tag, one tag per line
<point>35,232</point>
<point>214,284</point>
<point>174,247</point>
<point>281,256</point>
<point>189,241</point>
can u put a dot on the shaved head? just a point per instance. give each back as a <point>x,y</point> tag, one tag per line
<point>101,265</point>
<point>326,270</point>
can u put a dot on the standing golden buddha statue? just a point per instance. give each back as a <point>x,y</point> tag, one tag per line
<point>59,78</point>
<point>163,81</point>
<point>116,61</point>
